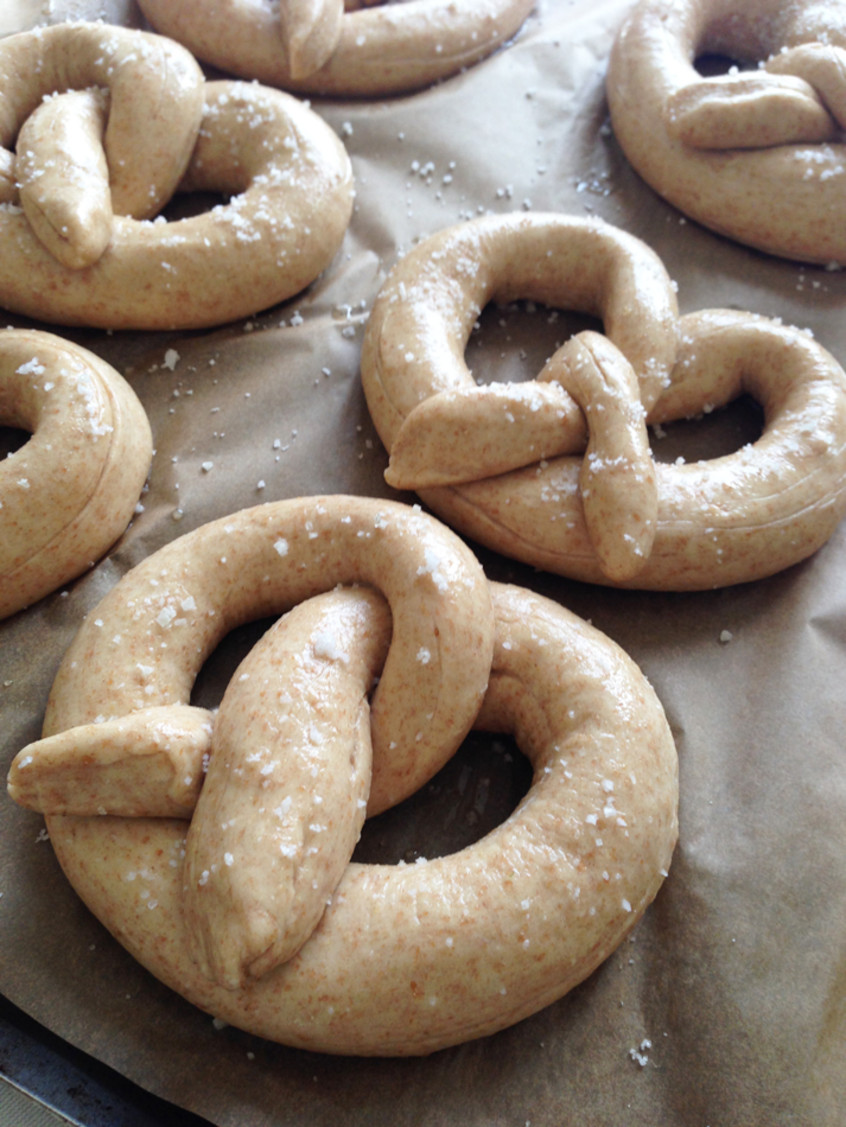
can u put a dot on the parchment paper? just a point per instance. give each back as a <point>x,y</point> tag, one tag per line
<point>728,1004</point>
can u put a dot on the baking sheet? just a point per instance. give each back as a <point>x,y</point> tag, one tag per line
<point>728,1003</point>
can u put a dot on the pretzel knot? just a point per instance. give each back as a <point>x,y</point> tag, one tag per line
<point>70,491</point>
<point>107,124</point>
<point>357,47</point>
<point>756,154</point>
<point>254,911</point>
<point>558,472</point>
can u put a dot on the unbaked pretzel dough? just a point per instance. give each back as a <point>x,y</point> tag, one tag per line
<point>85,242</point>
<point>319,47</point>
<point>757,155</point>
<point>70,491</point>
<point>442,429</point>
<point>403,959</point>
<point>510,465</point>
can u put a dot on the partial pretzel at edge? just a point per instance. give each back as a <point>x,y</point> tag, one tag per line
<point>71,490</point>
<point>367,51</point>
<point>154,89</point>
<point>757,156</point>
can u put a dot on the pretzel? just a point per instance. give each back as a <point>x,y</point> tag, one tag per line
<point>357,48</point>
<point>70,491</point>
<point>756,155</point>
<point>441,428</point>
<point>109,122</point>
<point>512,465</point>
<point>266,922</point>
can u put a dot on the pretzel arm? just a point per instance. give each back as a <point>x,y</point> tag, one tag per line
<point>286,792</point>
<point>149,764</point>
<point>749,111</point>
<point>64,178</point>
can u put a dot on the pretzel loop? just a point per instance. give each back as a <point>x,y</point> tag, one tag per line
<point>282,553</point>
<point>255,910</point>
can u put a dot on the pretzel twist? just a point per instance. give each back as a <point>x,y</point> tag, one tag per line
<point>109,123</point>
<point>757,155</point>
<point>557,472</point>
<point>356,48</point>
<point>254,911</point>
<point>70,491</point>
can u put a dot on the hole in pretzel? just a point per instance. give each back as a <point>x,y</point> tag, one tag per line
<point>220,665</point>
<point>710,434</point>
<point>711,65</point>
<point>470,796</point>
<point>512,341</point>
<point>186,205</point>
<point>737,37</point>
<point>12,439</point>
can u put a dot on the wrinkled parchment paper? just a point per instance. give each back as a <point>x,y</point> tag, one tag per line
<point>727,1006</point>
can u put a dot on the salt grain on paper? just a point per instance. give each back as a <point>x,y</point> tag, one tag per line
<point>639,1054</point>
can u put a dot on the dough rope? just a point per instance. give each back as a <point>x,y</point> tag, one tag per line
<point>70,491</point>
<point>83,239</point>
<point>757,155</point>
<point>254,911</point>
<point>327,47</point>
<point>554,472</point>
